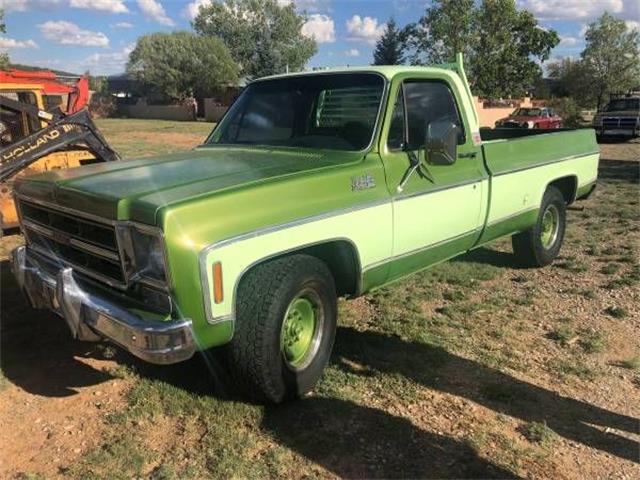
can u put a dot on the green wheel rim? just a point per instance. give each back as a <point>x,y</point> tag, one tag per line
<point>550,226</point>
<point>299,337</point>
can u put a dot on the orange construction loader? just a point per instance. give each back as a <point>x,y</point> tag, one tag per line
<point>44,125</point>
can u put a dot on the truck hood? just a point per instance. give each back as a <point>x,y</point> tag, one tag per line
<point>137,189</point>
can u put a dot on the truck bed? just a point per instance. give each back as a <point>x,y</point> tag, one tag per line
<point>507,150</point>
<point>492,134</point>
<point>521,166</point>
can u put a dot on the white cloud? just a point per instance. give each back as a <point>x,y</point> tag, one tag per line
<point>108,63</point>
<point>16,5</point>
<point>572,9</point>
<point>68,33</point>
<point>583,30</point>
<point>122,25</point>
<point>313,5</point>
<point>45,63</point>
<point>111,6</point>
<point>303,5</point>
<point>633,24</point>
<point>555,59</point>
<point>568,41</point>
<point>192,9</point>
<point>7,43</point>
<point>24,5</point>
<point>352,52</point>
<point>156,11</point>
<point>364,29</point>
<point>321,28</point>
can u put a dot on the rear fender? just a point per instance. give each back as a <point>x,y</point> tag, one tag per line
<point>568,186</point>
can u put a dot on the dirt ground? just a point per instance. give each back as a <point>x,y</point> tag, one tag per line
<point>474,370</point>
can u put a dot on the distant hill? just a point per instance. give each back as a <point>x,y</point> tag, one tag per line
<point>29,68</point>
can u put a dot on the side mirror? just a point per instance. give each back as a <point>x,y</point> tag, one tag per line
<point>441,142</point>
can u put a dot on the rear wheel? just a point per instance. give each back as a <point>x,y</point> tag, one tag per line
<point>285,327</point>
<point>540,245</point>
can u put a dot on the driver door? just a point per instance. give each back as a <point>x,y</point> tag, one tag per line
<point>439,211</point>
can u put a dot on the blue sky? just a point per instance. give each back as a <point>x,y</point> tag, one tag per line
<point>97,35</point>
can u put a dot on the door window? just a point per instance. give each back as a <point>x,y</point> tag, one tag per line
<point>425,102</point>
<point>395,140</point>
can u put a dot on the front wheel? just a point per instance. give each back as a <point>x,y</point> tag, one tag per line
<point>540,245</point>
<point>285,326</point>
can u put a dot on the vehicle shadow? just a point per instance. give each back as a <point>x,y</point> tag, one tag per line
<point>355,441</point>
<point>489,256</point>
<point>37,352</point>
<point>627,170</point>
<point>613,139</point>
<point>438,369</point>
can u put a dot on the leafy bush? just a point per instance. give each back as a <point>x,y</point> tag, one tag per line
<point>569,110</point>
<point>102,105</point>
<point>538,432</point>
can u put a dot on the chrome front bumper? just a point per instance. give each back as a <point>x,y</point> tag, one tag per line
<point>91,317</point>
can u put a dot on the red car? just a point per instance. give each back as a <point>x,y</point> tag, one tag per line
<point>539,117</point>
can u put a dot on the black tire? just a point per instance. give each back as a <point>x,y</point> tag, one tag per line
<point>528,246</point>
<point>265,294</point>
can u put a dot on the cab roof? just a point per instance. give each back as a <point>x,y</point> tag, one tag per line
<point>387,71</point>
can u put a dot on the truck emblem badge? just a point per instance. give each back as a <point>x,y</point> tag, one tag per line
<point>362,182</point>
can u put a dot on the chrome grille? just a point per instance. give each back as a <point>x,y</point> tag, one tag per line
<point>89,246</point>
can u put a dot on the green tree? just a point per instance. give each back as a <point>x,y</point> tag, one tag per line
<point>97,84</point>
<point>611,57</point>
<point>4,58</point>
<point>390,47</point>
<point>445,29</point>
<point>182,64</point>
<point>503,46</point>
<point>571,80</point>
<point>264,37</point>
<point>510,46</point>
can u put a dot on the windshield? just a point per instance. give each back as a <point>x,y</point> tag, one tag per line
<point>623,104</point>
<point>527,112</point>
<point>331,111</point>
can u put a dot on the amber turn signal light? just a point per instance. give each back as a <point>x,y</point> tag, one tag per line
<point>217,283</point>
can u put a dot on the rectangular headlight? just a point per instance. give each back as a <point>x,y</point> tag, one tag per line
<point>148,250</point>
<point>144,255</point>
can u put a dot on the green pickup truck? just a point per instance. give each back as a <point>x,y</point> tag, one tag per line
<point>313,186</point>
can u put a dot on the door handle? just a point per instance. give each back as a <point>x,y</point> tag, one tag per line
<point>468,155</point>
